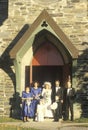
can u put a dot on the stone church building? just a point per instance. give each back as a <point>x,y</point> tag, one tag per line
<point>43,40</point>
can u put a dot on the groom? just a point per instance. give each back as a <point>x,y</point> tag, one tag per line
<point>69,96</point>
<point>59,100</point>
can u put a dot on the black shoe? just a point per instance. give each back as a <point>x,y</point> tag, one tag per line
<point>71,119</point>
<point>56,120</point>
<point>27,121</point>
<point>24,121</point>
<point>65,119</point>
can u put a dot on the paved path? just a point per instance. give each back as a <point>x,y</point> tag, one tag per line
<point>48,124</point>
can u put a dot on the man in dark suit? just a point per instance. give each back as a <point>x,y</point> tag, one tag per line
<point>59,100</point>
<point>69,95</point>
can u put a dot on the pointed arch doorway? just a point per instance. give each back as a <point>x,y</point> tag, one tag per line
<point>48,65</point>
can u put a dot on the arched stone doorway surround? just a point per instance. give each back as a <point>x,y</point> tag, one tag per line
<point>44,29</point>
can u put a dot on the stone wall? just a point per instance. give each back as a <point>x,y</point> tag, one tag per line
<point>72,18</point>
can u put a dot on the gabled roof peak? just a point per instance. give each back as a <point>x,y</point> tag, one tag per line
<point>45,18</point>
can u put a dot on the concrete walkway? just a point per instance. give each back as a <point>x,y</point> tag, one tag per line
<point>48,124</point>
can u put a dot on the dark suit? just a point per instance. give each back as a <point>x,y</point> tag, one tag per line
<point>58,111</point>
<point>68,102</point>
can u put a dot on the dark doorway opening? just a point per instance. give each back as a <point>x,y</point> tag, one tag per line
<point>47,73</point>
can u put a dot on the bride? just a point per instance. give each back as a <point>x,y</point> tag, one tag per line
<point>46,93</point>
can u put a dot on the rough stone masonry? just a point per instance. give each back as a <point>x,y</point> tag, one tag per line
<point>72,18</point>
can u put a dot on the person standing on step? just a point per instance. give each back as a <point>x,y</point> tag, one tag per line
<point>36,92</point>
<point>69,96</point>
<point>59,100</point>
<point>27,98</point>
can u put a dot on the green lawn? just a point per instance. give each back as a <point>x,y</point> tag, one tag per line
<point>81,120</point>
<point>6,119</point>
<point>11,127</point>
<point>7,127</point>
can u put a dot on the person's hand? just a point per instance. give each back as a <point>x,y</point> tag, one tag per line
<point>56,98</point>
<point>61,101</point>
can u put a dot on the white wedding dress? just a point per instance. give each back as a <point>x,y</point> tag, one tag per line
<point>46,93</point>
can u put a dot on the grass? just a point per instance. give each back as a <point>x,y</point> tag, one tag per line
<point>11,127</point>
<point>81,120</point>
<point>7,127</point>
<point>14,127</point>
<point>7,119</point>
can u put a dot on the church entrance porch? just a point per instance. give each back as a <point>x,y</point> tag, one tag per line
<point>43,49</point>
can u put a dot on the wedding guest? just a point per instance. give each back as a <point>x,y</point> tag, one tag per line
<point>36,92</point>
<point>27,97</point>
<point>59,100</point>
<point>40,111</point>
<point>69,96</point>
